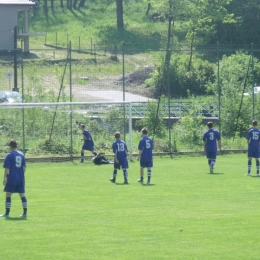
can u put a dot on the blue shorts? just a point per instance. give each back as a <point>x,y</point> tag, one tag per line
<point>146,164</point>
<point>88,147</point>
<point>122,162</point>
<point>251,154</point>
<point>14,188</point>
<point>211,155</point>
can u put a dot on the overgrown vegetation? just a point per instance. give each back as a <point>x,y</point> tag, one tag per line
<point>189,70</point>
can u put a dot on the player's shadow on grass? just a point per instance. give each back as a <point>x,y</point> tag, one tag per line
<point>122,184</point>
<point>256,177</point>
<point>147,185</point>
<point>15,219</point>
<point>215,173</point>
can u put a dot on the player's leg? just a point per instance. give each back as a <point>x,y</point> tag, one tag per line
<point>124,164</point>
<point>250,155</point>
<point>209,160</point>
<point>113,179</point>
<point>149,173</point>
<point>116,167</point>
<point>249,165</point>
<point>125,173</point>
<point>142,166</point>
<point>7,205</point>
<point>82,155</point>
<point>257,166</point>
<point>94,153</point>
<point>24,204</point>
<point>141,174</point>
<point>213,161</point>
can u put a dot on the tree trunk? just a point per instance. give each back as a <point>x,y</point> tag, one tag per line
<point>52,4</point>
<point>119,14</point>
<point>75,4</point>
<point>45,6</point>
<point>70,4</point>
<point>82,3</point>
<point>148,9</point>
<point>61,4</point>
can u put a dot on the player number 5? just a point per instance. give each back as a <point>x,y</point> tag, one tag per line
<point>148,145</point>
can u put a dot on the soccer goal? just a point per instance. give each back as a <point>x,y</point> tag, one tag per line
<point>52,129</point>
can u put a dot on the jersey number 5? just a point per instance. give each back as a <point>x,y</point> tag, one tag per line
<point>147,144</point>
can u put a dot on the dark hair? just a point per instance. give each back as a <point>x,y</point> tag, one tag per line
<point>13,143</point>
<point>145,131</point>
<point>254,123</point>
<point>210,124</point>
<point>82,126</point>
<point>117,135</point>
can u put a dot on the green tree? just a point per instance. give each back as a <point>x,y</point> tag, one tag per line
<point>236,77</point>
<point>185,78</point>
<point>245,28</point>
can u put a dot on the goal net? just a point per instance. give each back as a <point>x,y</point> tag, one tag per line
<point>47,130</point>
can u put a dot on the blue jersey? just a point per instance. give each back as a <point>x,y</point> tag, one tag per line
<point>211,137</point>
<point>146,145</point>
<point>253,136</point>
<point>119,147</point>
<point>15,162</point>
<point>89,141</point>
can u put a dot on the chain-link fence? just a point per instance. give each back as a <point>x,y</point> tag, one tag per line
<point>174,92</point>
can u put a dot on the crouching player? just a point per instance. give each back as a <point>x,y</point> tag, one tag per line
<point>145,156</point>
<point>120,153</point>
<point>100,159</point>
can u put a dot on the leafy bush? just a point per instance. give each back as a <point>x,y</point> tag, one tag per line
<point>185,76</point>
<point>236,77</point>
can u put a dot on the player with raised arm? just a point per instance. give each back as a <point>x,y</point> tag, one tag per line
<point>211,139</point>
<point>253,140</point>
<point>145,156</point>
<point>14,181</point>
<point>120,158</point>
<point>88,142</point>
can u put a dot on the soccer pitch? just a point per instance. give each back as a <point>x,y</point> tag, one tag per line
<point>74,212</point>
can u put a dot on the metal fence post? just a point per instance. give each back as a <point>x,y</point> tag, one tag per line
<point>168,60</point>
<point>219,91</point>
<point>23,121</point>
<point>123,78</point>
<point>253,79</point>
<point>70,75</point>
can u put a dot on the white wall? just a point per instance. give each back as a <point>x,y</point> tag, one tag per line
<point>8,20</point>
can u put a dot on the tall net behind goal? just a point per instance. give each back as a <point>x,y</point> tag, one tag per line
<point>51,130</point>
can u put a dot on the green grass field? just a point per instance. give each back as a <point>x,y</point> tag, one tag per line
<point>74,212</point>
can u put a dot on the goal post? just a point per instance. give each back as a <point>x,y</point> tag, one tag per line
<point>52,129</point>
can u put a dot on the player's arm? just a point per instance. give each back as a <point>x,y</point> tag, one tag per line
<point>139,155</point>
<point>85,137</point>
<point>205,143</point>
<point>140,149</point>
<point>6,172</point>
<point>126,151</point>
<point>115,157</point>
<point>219,145</point>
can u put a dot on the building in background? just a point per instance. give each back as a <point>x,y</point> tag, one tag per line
<point>9,21</point>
